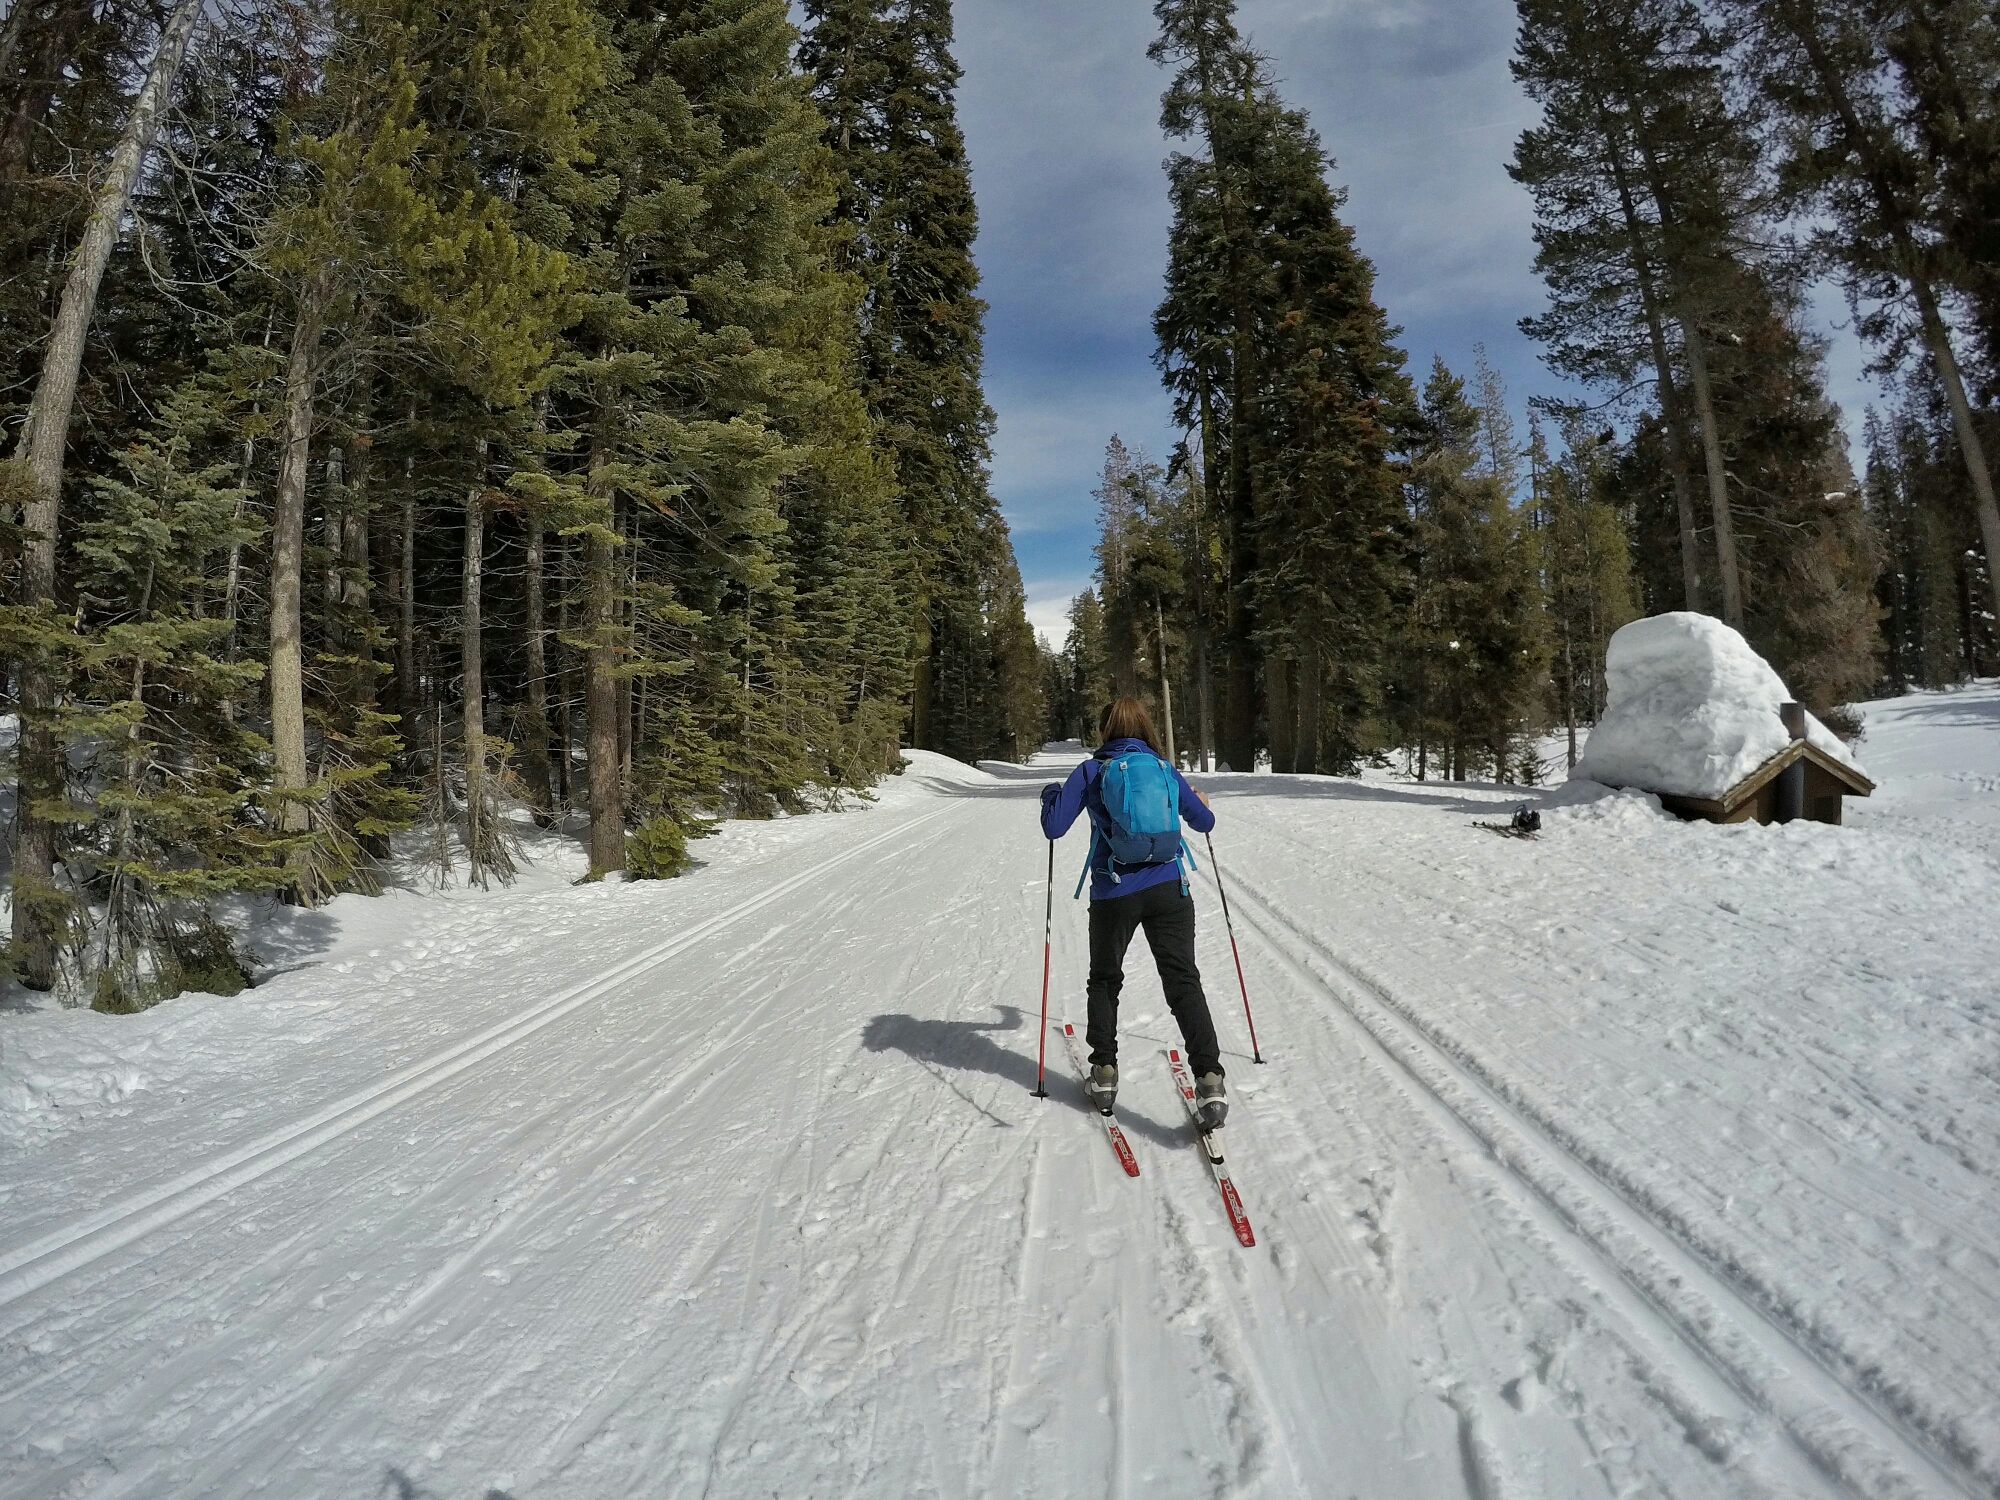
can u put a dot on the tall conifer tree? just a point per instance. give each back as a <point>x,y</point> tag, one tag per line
<point>885,79</point>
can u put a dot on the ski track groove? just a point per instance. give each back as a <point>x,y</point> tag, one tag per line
<point>1000,1464</point>
<point>1583,1199</point>
<point>544,1194</point>
<point>30,1267</point>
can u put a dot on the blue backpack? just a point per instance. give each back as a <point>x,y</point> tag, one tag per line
<point>1142,804</point>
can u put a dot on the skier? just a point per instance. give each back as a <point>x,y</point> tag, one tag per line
<point>1124,898</point>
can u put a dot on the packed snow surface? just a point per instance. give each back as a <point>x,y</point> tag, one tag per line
<point>1690,710</point>
<point>1644,1159</point>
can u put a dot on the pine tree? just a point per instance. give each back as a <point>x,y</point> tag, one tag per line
<point>1477,643</point>
<point>1900,208</point>
<point>1206,323</point>
<point>1281,364</point>
<point>39,455</point>
<point>1643,174</point>
<point>885,80</point>
<point>1586,565</point>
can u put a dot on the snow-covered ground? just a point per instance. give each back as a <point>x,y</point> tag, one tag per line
<point>1642,1159</point>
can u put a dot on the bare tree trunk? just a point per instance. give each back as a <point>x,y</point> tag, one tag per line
<point>565,691</point>
<point>411,692</point>
<point>607,810</point>
<point>628,615</point>
<point>1718,476</point>
<point>330,539</point>
<point>535,756</point>
<point>477,837</point>
<point>1166,684</point>
<point>1569,693</point>
<point>288,542</point>
<point>43,445</point>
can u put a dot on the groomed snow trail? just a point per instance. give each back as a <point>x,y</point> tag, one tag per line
<point>733,1186</point>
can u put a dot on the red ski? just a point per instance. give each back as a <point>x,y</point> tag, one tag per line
<point>1118,1143</point>
<point>1211,1151</point>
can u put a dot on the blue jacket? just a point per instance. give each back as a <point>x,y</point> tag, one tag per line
<point>1061,805</point>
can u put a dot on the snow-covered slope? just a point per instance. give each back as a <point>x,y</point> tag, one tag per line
<point>1643,1159</point>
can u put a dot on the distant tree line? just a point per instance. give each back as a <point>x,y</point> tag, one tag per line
<point>418,411</point>
<point>1337,565</point>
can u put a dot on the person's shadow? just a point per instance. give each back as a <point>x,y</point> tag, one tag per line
<point>946,1047</point>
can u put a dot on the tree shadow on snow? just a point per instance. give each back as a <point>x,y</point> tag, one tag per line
<point>945,1047</point>
<point>1011,790</point>
<point>396,1485</point>
<point>1024,784</point>
<point>1960,709</point>
<point>1447,795</point>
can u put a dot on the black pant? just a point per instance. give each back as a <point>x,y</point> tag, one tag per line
<point>1167,914</point>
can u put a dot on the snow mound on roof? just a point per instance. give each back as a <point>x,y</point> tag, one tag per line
<point>1691,710</point>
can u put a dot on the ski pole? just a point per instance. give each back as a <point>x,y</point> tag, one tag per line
<point>1255,1055</point>
<point>1048,927</point>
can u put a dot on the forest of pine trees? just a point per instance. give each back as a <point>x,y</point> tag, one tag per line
<point>1338,566</point>
<point>420,416</point>
<point>420,412</point>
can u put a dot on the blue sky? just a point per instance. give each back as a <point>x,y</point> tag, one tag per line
<point>1061,114</point>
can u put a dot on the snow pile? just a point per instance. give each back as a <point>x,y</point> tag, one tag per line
<point>1692,710</point>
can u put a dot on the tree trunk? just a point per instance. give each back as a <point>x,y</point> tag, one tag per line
<point>1204,698</point>
<point>1305,740</point>
<point>923,679</point>
<point>331,544</point>
<point>1569,693</point>
<point>1166,686</point>
<point>565,690</point>
<point>471,663</point>
<point>288,538</point>
<point>1970,448</point>
<point>535,754</point>
<point>52,40</point>
<point>1718,477</point>
<point>1936,336</point>
<point>410,693</point>
<point>1279,705</point>
<point>607,811</point>
<point>1663,368</point>
<point>43,445</point>
<point>1239,704</point>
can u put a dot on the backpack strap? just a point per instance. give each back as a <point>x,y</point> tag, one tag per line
<point>1090,853</point>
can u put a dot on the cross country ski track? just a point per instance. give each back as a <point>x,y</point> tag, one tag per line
<point>1776,1367</point>
<point>130,1220</point>
<point>761,1204</point>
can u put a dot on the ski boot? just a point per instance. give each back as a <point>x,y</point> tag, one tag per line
<point>1210,1105</point>
<point>1101,1087</point>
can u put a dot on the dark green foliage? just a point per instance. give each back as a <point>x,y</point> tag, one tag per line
<point>552,267</point>
<point>1281,363</point>
<point>1935,631</point>
<point>884,77</point>
<point>1473,657</point>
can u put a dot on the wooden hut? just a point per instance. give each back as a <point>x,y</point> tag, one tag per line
<point>1800,781</point>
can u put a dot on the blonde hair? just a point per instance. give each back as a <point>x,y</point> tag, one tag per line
<point>1127,719</point>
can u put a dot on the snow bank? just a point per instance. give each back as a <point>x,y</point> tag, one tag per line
<point>1692,710</point>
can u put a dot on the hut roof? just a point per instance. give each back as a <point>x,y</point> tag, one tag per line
<point>1693,712</point>
<point>1851,778</point>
